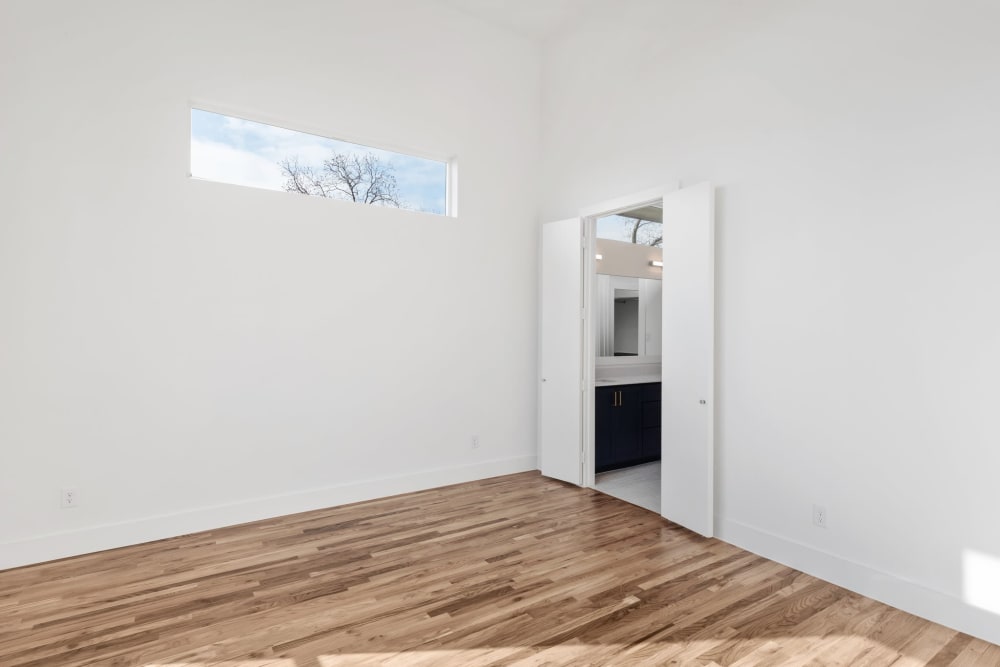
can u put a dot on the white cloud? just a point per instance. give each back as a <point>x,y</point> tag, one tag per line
<point>275,142</point>
<point>219,162</point>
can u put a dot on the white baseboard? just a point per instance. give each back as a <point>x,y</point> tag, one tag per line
<point>110,536</point>
<point>909,596</point>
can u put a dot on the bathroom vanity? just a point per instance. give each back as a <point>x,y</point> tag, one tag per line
<point>627,423</point>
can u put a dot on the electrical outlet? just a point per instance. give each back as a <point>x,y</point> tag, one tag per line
<point>475,442</point>
<point>819,516</point>
<point>69,498</point>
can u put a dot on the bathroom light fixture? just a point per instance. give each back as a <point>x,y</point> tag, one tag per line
<point>656,262</point>
<point>598,256</point>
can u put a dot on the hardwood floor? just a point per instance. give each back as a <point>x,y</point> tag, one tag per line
<point>511,570</point>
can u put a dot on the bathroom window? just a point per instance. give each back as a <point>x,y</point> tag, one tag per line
<point>244,152</point>
<point>642,226</point>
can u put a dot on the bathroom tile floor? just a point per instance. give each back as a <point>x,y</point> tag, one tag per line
<point>639,485</point>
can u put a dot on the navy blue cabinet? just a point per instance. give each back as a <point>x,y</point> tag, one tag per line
<point>651,421</point>
<point>605,404</point>
<point>627,425</point>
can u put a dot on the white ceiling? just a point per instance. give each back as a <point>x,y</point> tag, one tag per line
<point>535,19</point>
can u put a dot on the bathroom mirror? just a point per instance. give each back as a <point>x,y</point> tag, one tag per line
<point>628,317</point>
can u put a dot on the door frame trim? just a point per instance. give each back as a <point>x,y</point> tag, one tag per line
<point>589,215</point>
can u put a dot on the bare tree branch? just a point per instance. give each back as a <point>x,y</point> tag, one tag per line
<point>298,177</point>
<point>637,224</point>
<point>354,177</point>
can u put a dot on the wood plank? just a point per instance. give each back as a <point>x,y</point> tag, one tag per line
<point>511,570</point>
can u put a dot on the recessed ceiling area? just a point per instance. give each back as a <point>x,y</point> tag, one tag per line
<point>535,19</point>
<point>649,212</point>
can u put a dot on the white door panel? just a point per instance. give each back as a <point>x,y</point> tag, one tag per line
<point>688,349</point>
<point>561,359</point>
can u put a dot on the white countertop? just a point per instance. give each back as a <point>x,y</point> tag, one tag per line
<point>625,379</point>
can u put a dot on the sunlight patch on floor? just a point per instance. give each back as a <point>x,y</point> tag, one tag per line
<point>563,654</point>
<point>271,662</point>
<point>791,651</point>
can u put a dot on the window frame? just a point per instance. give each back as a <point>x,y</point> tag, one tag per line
<point>450,162</point>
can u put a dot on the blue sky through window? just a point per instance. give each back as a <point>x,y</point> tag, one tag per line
<point>619,228</point>
<point>244,152</point>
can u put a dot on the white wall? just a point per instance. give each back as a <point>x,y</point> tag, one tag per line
<point>619,258</point>
<point>856,149</point>
<point>184,353</point>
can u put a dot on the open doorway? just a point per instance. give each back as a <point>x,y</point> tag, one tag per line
<point>570,367</point>
<point>626,312</point>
